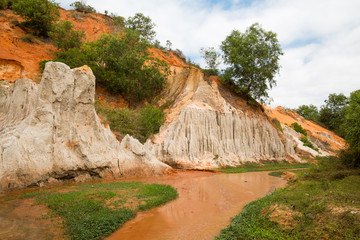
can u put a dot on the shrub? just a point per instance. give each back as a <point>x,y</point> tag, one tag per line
<point>151,119</point>
<point>120,64</point>
<point>38,14</point>
<point>277,124</point>
<point>141,123</point>
<point>298,128</point>
<point>118,20</point>
<point>64,35</point>
<point>5,4</point>
<point>307,143</point>
<point>81,6</point>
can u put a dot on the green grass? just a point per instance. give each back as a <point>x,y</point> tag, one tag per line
<point>254,167</point>
<point>93,211</point>
<point>320,206</point>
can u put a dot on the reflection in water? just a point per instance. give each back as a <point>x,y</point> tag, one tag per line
<point>205,205</point>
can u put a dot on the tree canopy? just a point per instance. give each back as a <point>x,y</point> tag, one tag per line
<point>64,35</point>
<point>38,14</point>
<point>308,111</point>
<point>143,25</point>
<point>212,59</point>
<point>332,113</point>
<point>351,129</point>
<point>122,64</point>
<point>253,57</point>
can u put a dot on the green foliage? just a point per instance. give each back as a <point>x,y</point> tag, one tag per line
<point>38,14</point>
<point>276,174</point>
<point>118,20</point>
<point>314,199</point>
<point>64,35</point>
<point>5,4</point>
<point>81,6</point>
<point>212,59</point>
<point>142,25</point>
<point>307,143</point>
<point>121,64</point>
<point>351,129</point>
<point>310,112</point>
<point>255,167</point>
<point>332,113</point>
<point>253,57</point>
<point>86,208</point>
<point>298,128</point>
<point>140,124</point>
<point>151,119</point>
<point>168,45</point>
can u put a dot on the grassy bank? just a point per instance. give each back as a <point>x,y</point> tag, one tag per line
<point>323,203</point>
<point>93,211</point>
<point>254,167</point>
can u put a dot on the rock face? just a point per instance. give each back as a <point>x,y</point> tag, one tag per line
<point>326,141</point>
<point>208,127</point>
<point>59,136</point>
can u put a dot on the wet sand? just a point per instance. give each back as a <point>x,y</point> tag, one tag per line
<point>205,205</point>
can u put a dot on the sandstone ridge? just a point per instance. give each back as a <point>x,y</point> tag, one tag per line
<point>55,133</point>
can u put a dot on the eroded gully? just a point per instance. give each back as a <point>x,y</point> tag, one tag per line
<point>205,205</point>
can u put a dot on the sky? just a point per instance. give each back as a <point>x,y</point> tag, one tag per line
<point>320,38</point>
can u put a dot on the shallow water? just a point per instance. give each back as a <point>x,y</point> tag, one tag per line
<point>205,205</point>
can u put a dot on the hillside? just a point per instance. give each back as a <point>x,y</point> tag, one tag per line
<point>206,125</point>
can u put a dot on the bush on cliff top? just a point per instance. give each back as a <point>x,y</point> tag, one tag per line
<point>39,15</point>
<point>121,64</point>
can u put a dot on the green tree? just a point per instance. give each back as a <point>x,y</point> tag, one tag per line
<point>253,57</point>
<point>168,45</point>
<point>38,14</point>
<point>351,129</point>
<point>308,111</point>
<point>64,35</point>
<point>212,59</point>
<point>143,25</point>
<point>332,113</point>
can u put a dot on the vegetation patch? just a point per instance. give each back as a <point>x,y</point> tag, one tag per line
<point>277,124</point>
<point>254,167</point>
<point>276,174</point>
<point>298,128</point>
<point>140,123</point>
<point>93,211</point>
<point>307,143</point>
<point>315,206</point>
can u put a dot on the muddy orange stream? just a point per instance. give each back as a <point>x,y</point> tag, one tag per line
<point>205,205</point>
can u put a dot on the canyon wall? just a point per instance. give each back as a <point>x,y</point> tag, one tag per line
<point>53,133</point>
<point>209,127</point>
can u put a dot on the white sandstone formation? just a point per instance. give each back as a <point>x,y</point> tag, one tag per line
<point>209,127</point>
<point>54,133</point>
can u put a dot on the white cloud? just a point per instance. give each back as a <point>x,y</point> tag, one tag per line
<point>322,38</point>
